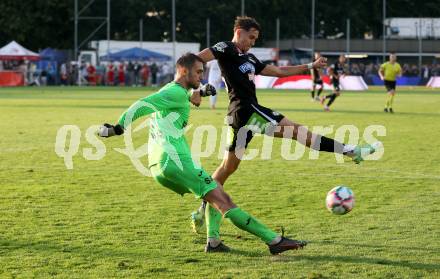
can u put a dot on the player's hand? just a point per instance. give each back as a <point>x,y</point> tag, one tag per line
<point>108,130</point>
<point>207,90</point>
<point>321,62</point>
<point>196,98</point>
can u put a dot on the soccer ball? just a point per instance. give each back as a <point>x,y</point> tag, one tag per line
<point>340,200</point>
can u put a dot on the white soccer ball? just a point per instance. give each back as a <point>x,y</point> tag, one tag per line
<point>340,200</point>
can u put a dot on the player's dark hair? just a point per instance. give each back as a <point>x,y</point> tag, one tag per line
<point>188,60</point>
<point>246,23</point>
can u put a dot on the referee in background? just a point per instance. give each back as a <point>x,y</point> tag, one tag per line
<point>388,72</point>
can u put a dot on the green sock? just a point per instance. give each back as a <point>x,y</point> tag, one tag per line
<point>246,222</point>
<point>213,220</point>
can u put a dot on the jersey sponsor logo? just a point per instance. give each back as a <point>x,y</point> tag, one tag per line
<point>220,46</point>
<point>247,67</point>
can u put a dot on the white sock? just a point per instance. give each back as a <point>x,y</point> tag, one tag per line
<point>348,150</point>
<point>214,242</point>
<point>276,240</point>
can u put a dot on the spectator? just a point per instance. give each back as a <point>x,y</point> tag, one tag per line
<point>154,69</point>
<point>91,74</point>
<point>100,74</point>
<point>110,74</point>
<point>43,77</point>
<point>63,74</point>
<point>167,73</point>
<point>83,74</point>
<point>137,70</point>
<point>130,74</point>
<point>414,71</point>
<point>35,75</point>
<point>51,74</point>
<point>145,72</point>
<point>73,74</point>
<point>121,74</point>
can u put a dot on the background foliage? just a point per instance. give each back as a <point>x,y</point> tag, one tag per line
<point>49,23</point>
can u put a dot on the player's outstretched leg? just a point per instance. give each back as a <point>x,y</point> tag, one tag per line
<point>241,219</point>
<point>291,130</point>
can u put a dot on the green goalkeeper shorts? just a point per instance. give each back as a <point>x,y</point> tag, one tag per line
<point>186,178</point>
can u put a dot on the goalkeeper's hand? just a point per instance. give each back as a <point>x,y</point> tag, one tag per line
<point>207,90</point>
<point>108,130</point>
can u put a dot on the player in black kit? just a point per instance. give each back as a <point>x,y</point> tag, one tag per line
<point>247,117</point>
<point>335,72</point>
<point>316,80</point>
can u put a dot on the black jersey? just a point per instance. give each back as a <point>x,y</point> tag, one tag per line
<point>239,70</point>
<point>338,69</point>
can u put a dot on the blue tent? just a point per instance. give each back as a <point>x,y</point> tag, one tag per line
<point>136,53</point>
<point>53,55</point>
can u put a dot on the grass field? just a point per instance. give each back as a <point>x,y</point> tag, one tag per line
<point>105,220</point>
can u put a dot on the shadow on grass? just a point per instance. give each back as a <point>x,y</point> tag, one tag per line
<point>378,246</point>
<point>366,260</point>
<point>85,251</point>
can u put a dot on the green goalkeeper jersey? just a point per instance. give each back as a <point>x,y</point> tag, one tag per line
<point>169,109</point>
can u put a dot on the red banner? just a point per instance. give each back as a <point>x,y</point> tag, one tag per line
<point>10,78</point>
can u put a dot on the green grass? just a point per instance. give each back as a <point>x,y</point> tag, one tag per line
<point>103,219</point>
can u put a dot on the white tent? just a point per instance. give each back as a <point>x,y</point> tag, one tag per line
<point>14,51</point>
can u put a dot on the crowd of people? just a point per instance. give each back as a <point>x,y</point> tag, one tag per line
<point>134,73</point>
<point>105,74</point>
<point>117,73</point>
<point>370,70</point>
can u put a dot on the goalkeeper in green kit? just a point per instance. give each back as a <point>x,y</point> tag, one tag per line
<point>170,160</point>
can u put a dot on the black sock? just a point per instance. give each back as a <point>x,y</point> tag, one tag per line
<point>332,99</point>
<point>328,145</point>
<point>313,93</point>
<point>319,92</point>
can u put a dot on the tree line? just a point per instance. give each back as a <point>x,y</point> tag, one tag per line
<point>38,24</point>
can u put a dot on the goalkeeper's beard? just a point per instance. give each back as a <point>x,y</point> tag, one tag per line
<point>193,85</point>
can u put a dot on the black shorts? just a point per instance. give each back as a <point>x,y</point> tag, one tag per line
<point>248,120</point>
<point>336,86</point>
<point>390,85</point>
<point>317,82</point>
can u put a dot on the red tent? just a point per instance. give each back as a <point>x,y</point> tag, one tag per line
<point>14,51</point>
